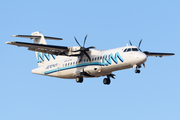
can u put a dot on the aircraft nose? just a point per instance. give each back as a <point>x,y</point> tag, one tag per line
<point>142,57</point>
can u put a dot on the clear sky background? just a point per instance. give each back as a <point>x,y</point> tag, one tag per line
<point>154,94</point>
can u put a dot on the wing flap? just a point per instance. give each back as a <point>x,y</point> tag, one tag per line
<point>158,54</point>
<point>50,49</point>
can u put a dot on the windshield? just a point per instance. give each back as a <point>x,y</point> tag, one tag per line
<point>134,49</point>
<point>130,49</point>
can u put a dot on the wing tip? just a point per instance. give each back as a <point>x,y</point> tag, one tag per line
<point>8,42</point>
<point>13,35</point>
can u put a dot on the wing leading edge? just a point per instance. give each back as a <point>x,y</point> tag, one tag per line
<point>50,49</point>
<point>158,54</point>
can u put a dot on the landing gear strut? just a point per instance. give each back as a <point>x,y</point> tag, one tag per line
<point>137,69</point>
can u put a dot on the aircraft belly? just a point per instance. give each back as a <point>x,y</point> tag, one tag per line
<point>115,67</point>
<point>69,74</point>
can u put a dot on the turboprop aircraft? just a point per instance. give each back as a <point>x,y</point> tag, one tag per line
<point>77,62</point>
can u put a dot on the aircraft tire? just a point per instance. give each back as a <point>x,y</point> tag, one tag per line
<point>79,79</point>
<point>137,71</point>
<point>106,81</point>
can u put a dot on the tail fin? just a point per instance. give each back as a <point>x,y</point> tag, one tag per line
<point>40,40</point>
<point>42,58</point>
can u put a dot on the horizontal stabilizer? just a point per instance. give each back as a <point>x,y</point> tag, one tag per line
<point>36,36</point>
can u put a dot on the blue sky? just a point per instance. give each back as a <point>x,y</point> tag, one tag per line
<point>152,94</point>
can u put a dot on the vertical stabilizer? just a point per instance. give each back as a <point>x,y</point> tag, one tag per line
<point>38,40</point>
<point>42,58</point>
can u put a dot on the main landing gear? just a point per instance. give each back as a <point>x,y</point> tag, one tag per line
<point>107,80</point>
<point>79,79</point>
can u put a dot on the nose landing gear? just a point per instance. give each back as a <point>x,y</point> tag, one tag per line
<point>137,69</point>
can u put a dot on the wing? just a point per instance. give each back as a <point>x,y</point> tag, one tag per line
<point>50,49</point>
<point>158,54</point>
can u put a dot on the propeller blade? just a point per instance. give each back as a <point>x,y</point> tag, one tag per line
<point>85,40</point>
<point>140,43</point>
<point>81,56</point>
<point>88,56</point>
<point>130,43</point>
<point>77,41</point>
<point>144,65</point>
<point>91,47</point>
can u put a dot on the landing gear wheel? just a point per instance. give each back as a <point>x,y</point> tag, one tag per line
<point>106,81</point>
<point>79,79</point>
<point>137,71</point>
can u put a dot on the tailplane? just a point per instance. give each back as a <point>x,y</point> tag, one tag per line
<point>44,53</point>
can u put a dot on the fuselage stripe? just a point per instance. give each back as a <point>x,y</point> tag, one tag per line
<point>73,66</point>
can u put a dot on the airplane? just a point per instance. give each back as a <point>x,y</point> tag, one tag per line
<point>78,62</point>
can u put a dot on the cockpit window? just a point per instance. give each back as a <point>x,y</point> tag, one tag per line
<point>125,50</point>
<point>129,49</point>
<point>134,49</point>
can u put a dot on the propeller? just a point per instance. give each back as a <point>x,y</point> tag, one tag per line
<point>130,43</point>
<point>140,43</point>
<point>83,50</point>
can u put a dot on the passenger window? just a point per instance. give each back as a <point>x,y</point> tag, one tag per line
<point>92,59</point>
<point>95,58</point>
<point>98,58</point>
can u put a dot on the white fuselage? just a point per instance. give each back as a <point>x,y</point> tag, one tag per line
<point>104,62</point>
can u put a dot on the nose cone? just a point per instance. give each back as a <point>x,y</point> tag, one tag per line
<point>142,58</point>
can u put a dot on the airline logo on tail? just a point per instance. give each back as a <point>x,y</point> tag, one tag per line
<point>43,56</point>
